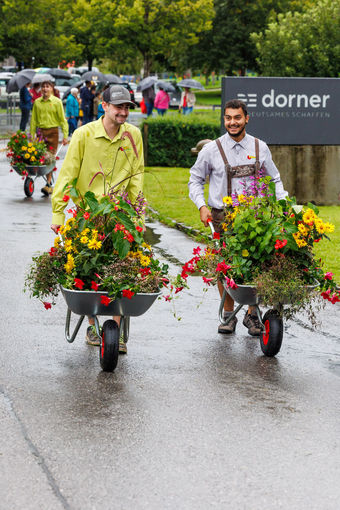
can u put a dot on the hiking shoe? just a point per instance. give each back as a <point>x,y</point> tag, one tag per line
<point>47,190</point>
<point>228,328</point>
<point>251,322</point>
<point>91,336</point>
<point>122,345</point>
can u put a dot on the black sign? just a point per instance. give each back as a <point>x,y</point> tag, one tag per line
<point>288,111</point>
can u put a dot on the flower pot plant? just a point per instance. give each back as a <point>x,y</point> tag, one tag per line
<point>25,152</point>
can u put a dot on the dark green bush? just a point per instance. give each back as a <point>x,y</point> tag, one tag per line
<point>169,139</point>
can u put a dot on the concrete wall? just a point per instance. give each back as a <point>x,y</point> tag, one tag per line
<point>310,172</point>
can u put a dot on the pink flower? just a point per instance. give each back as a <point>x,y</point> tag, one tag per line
<point>105,300</point>
<point>207,280</point>
<point>178,289</point>
<point>328,276</point>
<point>167,298</point>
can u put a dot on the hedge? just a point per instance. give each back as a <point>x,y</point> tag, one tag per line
<point>167,141</point>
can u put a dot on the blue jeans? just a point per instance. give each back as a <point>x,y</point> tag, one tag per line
<point>87,117</point>
<point>161,111</point>
<point>149,108</point>
<point>72,125</point>
<point>187,110</point>
<point>25,113</point>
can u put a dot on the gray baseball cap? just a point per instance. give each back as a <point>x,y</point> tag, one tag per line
<point>117,94</point>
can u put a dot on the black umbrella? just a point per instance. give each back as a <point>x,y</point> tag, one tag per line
<point>191,84</point>
<point>113,78</point>
<point>165,85</point>
<point>146,83</point>
<point>95,76</point>
<point>76,85</point>
<point>20,80</point>
<point>58,73</point>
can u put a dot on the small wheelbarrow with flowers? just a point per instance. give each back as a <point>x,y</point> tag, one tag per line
<point>92,304</point>
<point>30,158</point>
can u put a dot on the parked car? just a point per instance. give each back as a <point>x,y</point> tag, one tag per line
<point>4,79</point>
<point>132,94</point>
<point>138,95</point>
<point>175,97</point>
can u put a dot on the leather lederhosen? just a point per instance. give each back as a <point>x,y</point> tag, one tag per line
<point>232,172</point>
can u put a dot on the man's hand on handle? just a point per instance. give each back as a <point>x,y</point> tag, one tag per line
<point>205,215</point>
<point>55,228</point>
<point>65,141</point>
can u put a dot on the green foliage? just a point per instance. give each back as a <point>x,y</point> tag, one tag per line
<point>169,140</point>
<point>302,43</point>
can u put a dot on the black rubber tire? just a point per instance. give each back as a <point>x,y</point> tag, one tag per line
<point>28,187</point>
<point>271,340</point>
<point>109,348</point>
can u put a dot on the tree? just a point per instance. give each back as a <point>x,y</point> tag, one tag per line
<point>31,34</point>
<point>302,43</point>
<point>228,46</point>
<point>158,30</point>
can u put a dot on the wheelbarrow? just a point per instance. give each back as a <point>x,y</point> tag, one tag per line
<point>271,322</point>
<point>89,303</point>
<point>35,171</point>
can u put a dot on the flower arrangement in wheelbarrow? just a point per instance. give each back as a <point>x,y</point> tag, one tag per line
<point>24,150</point>
<point>100,248</point>
<point>267,244</point>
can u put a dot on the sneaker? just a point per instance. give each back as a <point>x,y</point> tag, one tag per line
<point>228,328</point>
<point>122,345</point>
<point>252,323</point>
<point>91,336</point>
<point>47,190</point>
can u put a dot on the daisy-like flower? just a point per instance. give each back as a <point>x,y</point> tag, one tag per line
<point>309,216</point>
<point>227,201</point>
<point>69,264</point>
<point>93,244</point>
<point>84,239</point>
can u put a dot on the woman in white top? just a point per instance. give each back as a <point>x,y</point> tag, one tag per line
<point>188,100</point>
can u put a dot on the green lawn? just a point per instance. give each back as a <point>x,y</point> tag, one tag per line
<point>166,190</point>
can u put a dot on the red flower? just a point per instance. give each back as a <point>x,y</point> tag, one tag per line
<point>217,235</point>
<point>105,300</point>
<point>47,305</point>
<point>207,280</point>
<point>86,215</point>
<point>167,298</point>
<point>328,276</point>
<point>94,285</point>
<point>317,240</point>
<point>128,293</point>
<point>139,229</point>
<point>79,283</point>
<point>223,267</point>
<point>97,275</point>
<point>66,198</point>
<point>178,289</point>
<point>196,251</point>
<point>280,244</point>
<point>144,271</point>
<point>52,251</point>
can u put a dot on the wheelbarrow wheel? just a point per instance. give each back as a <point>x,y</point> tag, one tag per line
<point>109,347</point>
<point>271,339</point>
<point>28,187</point>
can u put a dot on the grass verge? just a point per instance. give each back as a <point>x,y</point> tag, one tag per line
<point>166,190</point>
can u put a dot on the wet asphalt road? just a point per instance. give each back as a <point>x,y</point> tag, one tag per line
<point>189,420</point>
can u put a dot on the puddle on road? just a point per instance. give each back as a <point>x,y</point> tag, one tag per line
<point>154,239</point>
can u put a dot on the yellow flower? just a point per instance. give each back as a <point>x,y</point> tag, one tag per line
<point>30,145</point>
<point>68,245</point>
<point>23,148</point>
<point>302,229</point>
<point>33,158</point>
<point>224,226</point>
<point>69,264</point>
<point>309,216</point>
<point>329,227</point>
<point>320,226</point>
<point>146,246</point>
<point>56,242</point>
<point>299,241</point>
<point>85,231</point>
<point>145,261</point>
<point>227,200</point>
<point>84,239</point>
<point>27,155</point>
<point>245,253</point>
<point>94,234</point>
<point>70,221</point>
<point>94,244</point>
<point>242,199</point>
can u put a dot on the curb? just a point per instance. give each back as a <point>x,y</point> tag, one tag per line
<point>189,231</point>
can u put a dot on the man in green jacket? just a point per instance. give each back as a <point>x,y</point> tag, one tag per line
<point>47,116</point>
<point>110,145</point>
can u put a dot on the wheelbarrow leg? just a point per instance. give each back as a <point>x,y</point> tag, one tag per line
<point>69,338</point>
<point>224,321</point>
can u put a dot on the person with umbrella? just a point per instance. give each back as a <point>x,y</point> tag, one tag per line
<point>162,101</point>
<point>72,110</point>
<point>25,105</point>
<point>86,97</point>
<point>47,116</point>
<point>149,99</point>
<point>188,100</point>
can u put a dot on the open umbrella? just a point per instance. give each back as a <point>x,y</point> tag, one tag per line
<point>191,84</point>
<point>58,73</point>
<point>165,85</point>
<point>19,80</point>
<point>95,76</point>
<point>40,78</point>
<point>113,78</point>
<point>146,83</point>
<point>76,85</point>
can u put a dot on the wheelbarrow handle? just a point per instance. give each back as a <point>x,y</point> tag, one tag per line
<point>210,223</point>
<point>56,154</point>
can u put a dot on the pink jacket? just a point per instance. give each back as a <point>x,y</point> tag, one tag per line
<point>162,100</point>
